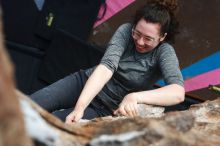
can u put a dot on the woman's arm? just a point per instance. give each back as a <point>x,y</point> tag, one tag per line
<point>164,96</point>
<point>94,84</point>
<point>103,72</point>
<point>108,65</point>
<point>168,95</point>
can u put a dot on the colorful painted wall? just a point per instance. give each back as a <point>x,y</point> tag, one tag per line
<point>197,46</point>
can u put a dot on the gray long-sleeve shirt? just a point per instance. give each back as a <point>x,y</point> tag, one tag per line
<point>133,71</point>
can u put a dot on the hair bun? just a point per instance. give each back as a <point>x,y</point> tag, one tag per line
<point>171,5</point>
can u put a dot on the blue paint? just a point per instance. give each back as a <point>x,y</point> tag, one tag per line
<point>207,64</point>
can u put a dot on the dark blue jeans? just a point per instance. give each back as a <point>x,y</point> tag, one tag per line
<point>60,97</point>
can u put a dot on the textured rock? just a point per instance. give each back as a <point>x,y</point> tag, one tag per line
<point>172,129</point>
<point>207,112</point>
<point>150,111</point>
<point>207,116</point>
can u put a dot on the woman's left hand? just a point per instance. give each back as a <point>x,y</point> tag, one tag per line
<point>128,106</point>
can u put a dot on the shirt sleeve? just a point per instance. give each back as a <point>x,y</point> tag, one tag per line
<point>169,65</point>
<point>116,47</point>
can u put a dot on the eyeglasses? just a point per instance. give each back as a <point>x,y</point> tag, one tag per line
<point>147,39</point>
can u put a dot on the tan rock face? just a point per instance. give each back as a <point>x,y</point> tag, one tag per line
<point>207,112</point>
<point>207,119</point>
<point>171,129</point>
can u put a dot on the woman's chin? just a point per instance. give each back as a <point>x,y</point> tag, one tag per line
<point>141,50</point>
<point>144,49</point>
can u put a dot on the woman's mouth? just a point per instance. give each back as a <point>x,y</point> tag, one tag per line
<point>140,49</point>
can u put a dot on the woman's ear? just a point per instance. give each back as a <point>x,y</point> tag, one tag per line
<point>163,37</point>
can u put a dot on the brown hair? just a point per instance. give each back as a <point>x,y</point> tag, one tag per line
<point>162,12</point>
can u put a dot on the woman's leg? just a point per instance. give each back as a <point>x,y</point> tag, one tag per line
<point>62,94</point>
<point>95,109</point>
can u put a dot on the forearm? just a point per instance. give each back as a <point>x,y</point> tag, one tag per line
<point>94,84</point>
<point>164,96</point>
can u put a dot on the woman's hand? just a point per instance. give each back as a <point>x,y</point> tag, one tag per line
<point>128,106</point>
<point>74,116</point>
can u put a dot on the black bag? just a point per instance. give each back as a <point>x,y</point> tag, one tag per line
<point>73,16</point>
<point>19,21</point>
<point>67,24</point>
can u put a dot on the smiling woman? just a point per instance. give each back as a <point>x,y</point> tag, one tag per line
<point>146,36</point>
<point>136,57</point>
<point>138,35</point>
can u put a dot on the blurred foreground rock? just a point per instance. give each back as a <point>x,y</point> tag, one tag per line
<point>198,126</point>
<point>12,130</point>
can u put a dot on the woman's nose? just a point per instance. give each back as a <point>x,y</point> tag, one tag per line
<point>140,41</point>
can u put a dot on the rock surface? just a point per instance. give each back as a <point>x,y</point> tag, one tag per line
<point>200,125</point>
<point>12,131</point>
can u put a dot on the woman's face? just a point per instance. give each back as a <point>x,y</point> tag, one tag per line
<point>146,36</point>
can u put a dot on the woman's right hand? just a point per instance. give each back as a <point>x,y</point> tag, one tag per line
<point>74,116</point>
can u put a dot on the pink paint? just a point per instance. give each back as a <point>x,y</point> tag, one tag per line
<point>203,80</point>
<point>113,7</point>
